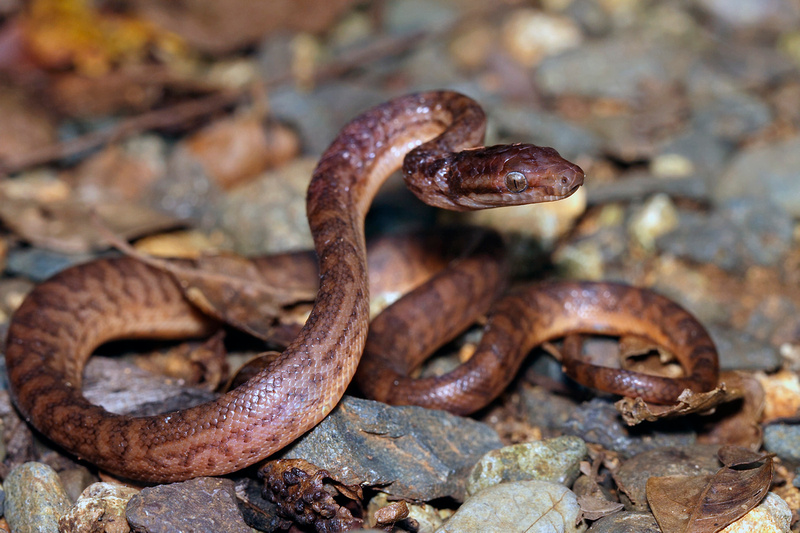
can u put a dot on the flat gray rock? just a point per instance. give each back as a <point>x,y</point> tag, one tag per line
<point>411,452</point>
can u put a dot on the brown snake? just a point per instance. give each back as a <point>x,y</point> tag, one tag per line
<point>64,319</point>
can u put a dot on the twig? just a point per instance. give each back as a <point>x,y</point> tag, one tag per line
<point>182,112</point>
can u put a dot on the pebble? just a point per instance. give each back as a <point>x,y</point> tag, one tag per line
<point>529,35</point>
<point>782,440</point>
<point>556,460</point>
<point>76,480</point>
<point>626,522</point>
<point>773,167</point>
<point>740,233</point>
<point>38,264</point>
<point>518,507</point>
<point>411,452</point>
<point>654,218</point>
<point>35,499</point>
<point>740,351</point>
<point>616,67</point>
<point>101,507</point>
<point>775,15</point>
<point>772,515</point>
<point>124,388</point>
<point>544,222</point>
<point>201,504</point>
<point>268,215</point>
<point>516,122</point>
<point>597,421</point>
<point>730,116</point>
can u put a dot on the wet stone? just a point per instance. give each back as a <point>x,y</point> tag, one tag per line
<point>35,499</point>
<point>515,121</point>
<point>556,460</point>
<point>616,67</point>
<point>743,351</point>
<point>124,388</point>
<point>772,166</point>
<point>411,452</point>
<point>38,264</point>
<point>737,235</point>
<point>731,116</point>
<point>517,507</point>
<point>597,421</point>
<point>782,440</point>
<point>202,504</point>
<point>101,507</point>
<point>626,522</point>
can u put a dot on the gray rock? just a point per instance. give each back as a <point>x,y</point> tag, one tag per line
<point>202,504</point>
<point>268,215</point>
<point>597,421</point>
<point>519,123</point>
<point>741,351</point>
<point>706,153</point>
<point>124,388</point>
<point>556,460</point>
<point>773,15</point>
<point>739,234</point>
<point>783,439</point>
<point>38,264</point>
<point>411,452</point>
<point>616,67</point>
<point>626,522</point>
<point>101,507</point>
<point>35,499</point>
<point>673,461</point>
<point>518,507</point>
<point>731,116</point>
<point>769,172</point>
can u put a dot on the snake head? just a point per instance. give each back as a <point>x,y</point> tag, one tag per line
<point>513,174</point>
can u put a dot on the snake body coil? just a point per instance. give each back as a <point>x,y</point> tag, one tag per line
<point>59,324</point>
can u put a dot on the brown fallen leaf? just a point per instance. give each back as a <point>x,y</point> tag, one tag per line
<point>204,365</point>
<point>709,503</point>
<point>738,423</point>
<point>64,226</point>
<point>225,286</point>
<point>595,508</point>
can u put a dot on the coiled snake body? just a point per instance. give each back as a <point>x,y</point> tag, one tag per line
<point>59,324</point>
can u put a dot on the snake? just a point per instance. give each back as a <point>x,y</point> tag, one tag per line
<point>436,138</point>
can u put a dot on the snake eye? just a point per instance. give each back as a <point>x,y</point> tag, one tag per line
<point>516,182</point>
<point>564,181</point>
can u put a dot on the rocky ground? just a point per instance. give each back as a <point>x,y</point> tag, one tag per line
<point>685,115</point>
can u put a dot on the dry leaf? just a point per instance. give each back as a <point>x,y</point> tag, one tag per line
<point>65,226</point>
<point>594,508</point>
<point>709,503</point>
<point>227,287</point>
<point>740,424</point>
<point>204,365</point>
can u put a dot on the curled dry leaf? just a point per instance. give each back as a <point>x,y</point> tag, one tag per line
<point>740,424</point>
<point>307,495</point>
<point>390,514</point>
<point>65,226</point>
<point>227,287</point>
<point>709,503</point>
<point>595,508</point>
<point>203,365</point>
